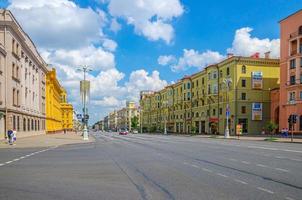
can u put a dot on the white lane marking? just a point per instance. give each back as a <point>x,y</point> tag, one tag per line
<point>280,169</point>
<point>260,147</point>
<point>245,162</point>
<point>288,198</point>
<point>195,166</point>
<point>26,156</point>
<point>289,150</point>
<point>261,165</point>
<point>207,170</point>
<point>265,190</point>
<point>240,181</point>
<point>280,157</point>
<point>294,159</point>
<point>232,159</point>
<point>185,163</point>
<point>223,175</point>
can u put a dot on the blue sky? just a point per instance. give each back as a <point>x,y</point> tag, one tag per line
<point>124,39</point>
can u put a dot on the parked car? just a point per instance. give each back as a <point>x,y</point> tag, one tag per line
<point>123,132</point>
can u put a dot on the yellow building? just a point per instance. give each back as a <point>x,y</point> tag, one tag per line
<point>58,112</point>
<point>197,103</point>
<point>67,112</point>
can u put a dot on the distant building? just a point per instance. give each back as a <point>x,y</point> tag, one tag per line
<point>291,71</point>
<point>106,123</point>
<point>198,103</point>
<point>126,114</point>
<point>113,121</point>
<point>59,113</point>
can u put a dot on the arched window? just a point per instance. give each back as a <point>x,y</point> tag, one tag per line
<point>197,114</point>
<point>300,30</point>
<point>24,124</point>
<point>28,124</point>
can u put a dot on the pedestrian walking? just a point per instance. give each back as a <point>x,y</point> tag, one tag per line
<point>10,136</point>
<point>14,135</point>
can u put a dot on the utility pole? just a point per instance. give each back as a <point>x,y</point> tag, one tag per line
<point>85,69</point>
<point>227,82</point>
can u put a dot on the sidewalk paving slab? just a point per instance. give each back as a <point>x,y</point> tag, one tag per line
<point>46,140</point>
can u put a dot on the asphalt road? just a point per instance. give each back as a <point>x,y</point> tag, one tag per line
<point>153,167</point>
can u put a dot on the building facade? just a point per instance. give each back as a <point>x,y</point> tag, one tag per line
<point>112,119</point>
<point>291,70</point>
<point>22,80</point>
<point>126,114</point>
<point>198,103</point>
<point>59,114</point>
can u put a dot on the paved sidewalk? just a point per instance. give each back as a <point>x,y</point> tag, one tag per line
<point>254,138</point>
<point>46,140</point>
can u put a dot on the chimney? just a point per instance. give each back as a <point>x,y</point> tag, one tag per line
<point>267,54</point>
<point>230,55</point>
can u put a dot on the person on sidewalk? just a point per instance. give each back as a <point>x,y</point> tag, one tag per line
<point>10,137</point>
<point>14,136</point>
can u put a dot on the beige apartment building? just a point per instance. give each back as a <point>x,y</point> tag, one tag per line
<point>125,115</point>
<point>22,80</point>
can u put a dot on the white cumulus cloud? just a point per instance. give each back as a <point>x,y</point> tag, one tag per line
<point>58,23</point>
<point>166,60</point>
<point>192,58</point>
<point>246,45</point>
<point>150,18</point>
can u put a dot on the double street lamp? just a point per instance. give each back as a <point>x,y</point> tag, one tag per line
<point>227,82</point>
<point>85,87</point>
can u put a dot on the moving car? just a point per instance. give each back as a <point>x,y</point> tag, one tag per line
<point>123,132</point>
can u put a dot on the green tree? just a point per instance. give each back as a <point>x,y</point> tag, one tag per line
<point>134,122</point>
<point>271,127</point>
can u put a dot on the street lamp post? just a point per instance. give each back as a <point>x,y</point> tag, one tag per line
<point>85,69</point>
<point>141,119</point>
<point>165,121</point>
<point>227,82</point>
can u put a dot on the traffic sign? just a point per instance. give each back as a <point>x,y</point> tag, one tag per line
<point>79,116</point>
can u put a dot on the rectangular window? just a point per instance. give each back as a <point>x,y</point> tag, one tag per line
<point>18,123</point>
<point>300,78</point>
<point>13,70</point>
<point>0,92</point>
<point>292,64</point>
<point>189,96</point>
<point>292,80</point>
<point>188,85</point>
<point>243,69</point>
<point>214,75</point>
<point>13,45</point>
<point>243,109</point>
<point>301,98</point>
<point>228,71</point>
<point>214,112</point>
<point>203,78</point>
<point>220,111</point>
<point>243,96</point>
<point>301,61</point>
<point>243,83</point>
<point>14,94</point>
